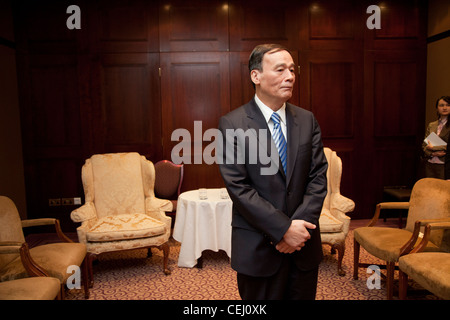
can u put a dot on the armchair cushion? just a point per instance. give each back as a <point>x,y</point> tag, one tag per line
<point>34,288</point>
<point>430,270</point>
<point>385,243</point>
<point>125,226</point>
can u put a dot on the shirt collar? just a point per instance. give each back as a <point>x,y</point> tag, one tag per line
<point>267,112</point>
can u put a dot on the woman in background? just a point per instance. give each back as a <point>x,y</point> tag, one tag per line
<point>435,155</point>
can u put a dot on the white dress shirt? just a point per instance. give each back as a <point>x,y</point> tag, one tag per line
<point>267,112</point>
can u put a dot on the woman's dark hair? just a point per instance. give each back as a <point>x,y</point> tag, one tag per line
<point>446,99</point>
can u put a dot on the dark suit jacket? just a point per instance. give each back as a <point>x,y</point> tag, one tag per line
<point>264,205</point>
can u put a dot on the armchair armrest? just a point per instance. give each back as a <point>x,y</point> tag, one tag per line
<point>85,212</point>
<point>46,221</point>
<point>341,203</point>
<point>32,268</point>
<point>8,247</point>
<point>438,224</point>
<point>156,208</point>
<point>430,224</point>
<point>156,204</point>
<point>387,205</point>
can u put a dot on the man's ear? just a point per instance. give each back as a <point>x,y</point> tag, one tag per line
<point>254,75</point>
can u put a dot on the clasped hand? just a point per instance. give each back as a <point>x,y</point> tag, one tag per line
<point>295,237</point>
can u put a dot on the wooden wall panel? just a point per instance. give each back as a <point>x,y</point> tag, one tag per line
<point>333,24</point>
<point>194,87</point>
<point>119,26</point>
<point>41,27</point>
<point>200,25</point>
<point>395,82</point>
<point>131,113</point>
<point>331,87</point>
<point>390,101</point>
<point>255,22</point>
<point>54,113</point>
<point>402,26</point>
<point>394,134</point>
<point>334,108</point>
<point>53,131</point>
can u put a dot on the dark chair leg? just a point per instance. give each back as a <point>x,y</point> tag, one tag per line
<point>166,250</point>
<point>403,285</point>
<point>390,267</point>
<point>85,268</point>
<point>340,247</point>
<point>356,247</point>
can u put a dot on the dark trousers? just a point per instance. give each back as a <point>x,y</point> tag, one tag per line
<point>289,283</point>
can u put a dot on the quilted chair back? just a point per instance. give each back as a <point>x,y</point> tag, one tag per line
<point>10,228</point>
<point>114,182</point>
<point>430,199</point>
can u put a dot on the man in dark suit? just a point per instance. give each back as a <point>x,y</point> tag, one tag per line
<point>276,246</point>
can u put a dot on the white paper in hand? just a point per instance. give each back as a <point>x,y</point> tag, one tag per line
<point>435,140</point>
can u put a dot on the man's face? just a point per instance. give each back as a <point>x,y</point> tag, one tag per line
<point>274,84</point>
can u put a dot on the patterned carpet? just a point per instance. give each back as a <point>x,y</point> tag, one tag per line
<point>132,276</point>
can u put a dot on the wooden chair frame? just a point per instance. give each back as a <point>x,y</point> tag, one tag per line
<point>34,269</point>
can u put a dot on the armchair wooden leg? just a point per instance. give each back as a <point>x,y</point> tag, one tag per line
<point>341,251</point>
<point>85,270</point>
<point>356,247</point>
<point>62,291</point>
<point>403,285</point>
<point>90,257</point>
<point>166,250</point>
<point>390,268</point>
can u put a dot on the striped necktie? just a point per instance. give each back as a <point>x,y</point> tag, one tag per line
<point>279,139</point>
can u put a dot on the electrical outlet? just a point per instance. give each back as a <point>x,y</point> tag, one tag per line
<point>54,202</point>
<point>67,201</point>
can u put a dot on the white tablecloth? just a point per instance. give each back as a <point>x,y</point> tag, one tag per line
<point>202,225</point>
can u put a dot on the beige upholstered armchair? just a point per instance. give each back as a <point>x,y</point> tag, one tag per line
<point>121,211</point>
<point>429,269</point>
<point>44,262</point>
<point>334,223</point>
<point>430,201</point>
